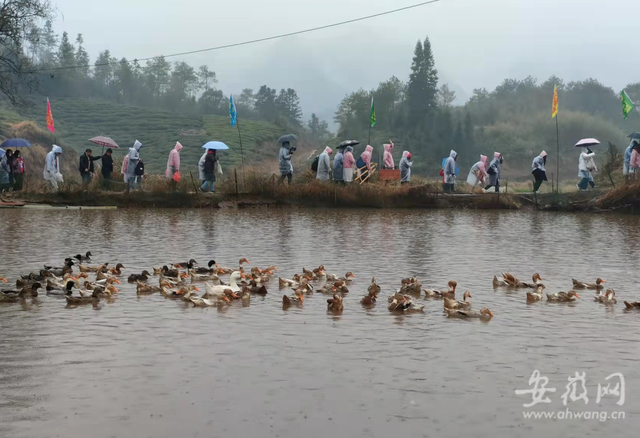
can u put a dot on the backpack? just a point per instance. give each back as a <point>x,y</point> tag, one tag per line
<point>139,170</point>
<point>314,164</point>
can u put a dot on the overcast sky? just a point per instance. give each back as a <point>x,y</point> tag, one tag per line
<point>477,43</point>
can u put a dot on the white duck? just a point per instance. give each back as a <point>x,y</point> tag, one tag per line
<point>216,290</point>
<point>608,298</point>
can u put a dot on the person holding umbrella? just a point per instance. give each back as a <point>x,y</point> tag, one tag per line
<point>210,162</point>
<point>539,172</point>
<point>338,164</point>
<point>107,169</point>
<point>18,171</point>
<point>586,164</point>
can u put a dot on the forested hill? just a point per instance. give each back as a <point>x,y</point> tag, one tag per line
<point>77,120</point>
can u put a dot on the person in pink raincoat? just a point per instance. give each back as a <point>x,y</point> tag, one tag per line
<point>634,162</point>
<point>478,173</point>
<point>387,158</point>
<point>364,162</point>
<point>173,165</point>
<point>349,162</point>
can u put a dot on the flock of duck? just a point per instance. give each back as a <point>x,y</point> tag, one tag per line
<point>179,281</point>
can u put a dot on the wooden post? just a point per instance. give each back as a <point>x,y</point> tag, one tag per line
<point>196,189</point>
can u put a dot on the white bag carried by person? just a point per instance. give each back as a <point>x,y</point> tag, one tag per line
<point>218,168</point>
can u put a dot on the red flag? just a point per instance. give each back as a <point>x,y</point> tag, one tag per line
<point>50,117</point>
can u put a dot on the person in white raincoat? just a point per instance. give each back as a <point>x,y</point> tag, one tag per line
<point>450,172</point>
<point>51,171</point>
<point>201,174</point>
<point>324,165</point>
<point>586,166</point>
<point>133,158</point>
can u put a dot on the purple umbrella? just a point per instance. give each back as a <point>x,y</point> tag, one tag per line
<point>587,142</point>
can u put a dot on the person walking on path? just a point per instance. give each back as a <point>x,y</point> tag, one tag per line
<point>209,169</point>
<point>586,165</point>
<point>10,162</point>
<point>387,158</point>
<point>324,165</point>
<point>5,170</point>
<point>286,167</point>
<point>201,176</point>
<point>86,167</point>
<point>494,171</point>
<point>338,166</point>
<point>626,168</point>
<point>18,171</point>
<point>173,166</point>
<point>349,162</point>
<point>51,171</point>
<point>405,167</point>
<point>364,162</point>
<point>450,172</point>
<point>107,169</point>
<point>478,173</point>
<point>539,172</point>
<point>634,161</point>
<point>132,162</point>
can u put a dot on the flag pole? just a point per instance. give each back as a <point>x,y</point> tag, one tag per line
<point>558,155</point>
<point>241,151</point>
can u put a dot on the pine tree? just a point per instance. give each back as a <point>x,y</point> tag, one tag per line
<point>82,57</point>
<point>423,84</point>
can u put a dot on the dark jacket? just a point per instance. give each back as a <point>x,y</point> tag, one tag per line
<point>86,162</point>
<point>107,164</point>
<point>210,166</point>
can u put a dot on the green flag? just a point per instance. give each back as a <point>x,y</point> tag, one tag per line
<point>627,104</point>
<point>373,113</point>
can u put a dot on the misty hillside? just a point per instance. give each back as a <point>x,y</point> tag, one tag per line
<point>77,120</point>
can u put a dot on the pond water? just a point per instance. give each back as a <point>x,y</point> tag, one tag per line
<point>150,367</point>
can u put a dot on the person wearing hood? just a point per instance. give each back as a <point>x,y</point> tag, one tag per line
<point>405,167</point>
<point>349,162</point>
<point>338,166</point>
<point>132,162</point>
<point>286,167</point>
<point>494,171</point>
<point>4,171</point>
<point>539,172</point>
<point>107,169</point>
<point>478,173</point>
<point>87,168</point>
<point>201,174</point>
<point>586,165</point>
<point>387,158</point>
<point>364,163</point>
<point>18,171</point>
<point>209,169</point>
<point>51,171</point>
<point>324,165</point>
<point>626,168</point>
<point>634,161</point>
<point>450,172</point>
<point>173,166</point>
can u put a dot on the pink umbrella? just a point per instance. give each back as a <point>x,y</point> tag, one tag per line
<point>105,142</point>
<point>587,142</point>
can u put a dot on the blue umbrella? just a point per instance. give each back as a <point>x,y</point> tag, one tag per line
<point>15,143</point>
<point>215,145</point>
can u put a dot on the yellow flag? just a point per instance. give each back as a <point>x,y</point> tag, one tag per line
<point>554,108</point>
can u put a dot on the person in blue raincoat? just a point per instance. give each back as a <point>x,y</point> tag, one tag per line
<point>338,165</point>
<point>494,171</point>
<point>134,157</point>
<point>450,172</point>
<point>286,167</point>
